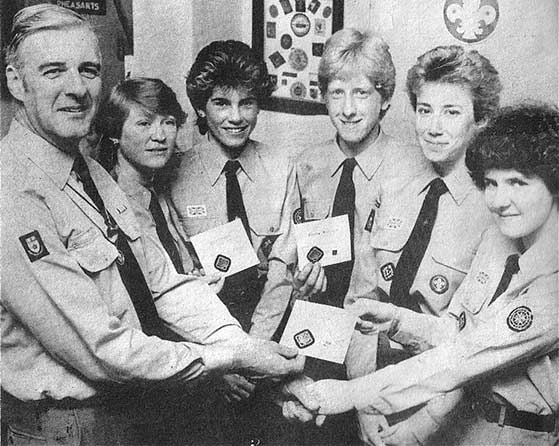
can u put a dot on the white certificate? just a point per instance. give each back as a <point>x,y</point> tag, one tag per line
<point>326,241</point>
<point>225,249</point>
<point>319,331</point>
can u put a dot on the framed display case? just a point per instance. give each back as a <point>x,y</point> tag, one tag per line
<point>290,36</point>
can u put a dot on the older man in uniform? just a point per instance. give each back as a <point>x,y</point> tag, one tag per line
<point>91,311</point>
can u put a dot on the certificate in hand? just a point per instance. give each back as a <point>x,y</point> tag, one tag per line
<point>326,241</point>
<point>319,331</point>
<point>225,249</point>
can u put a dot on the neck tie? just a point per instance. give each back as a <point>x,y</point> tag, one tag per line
<point>339,275</point>
<point>511,268</point>
<point>163,232</point>
<point>128,267</point>
<point>414,249</point>
<point>235,205</point>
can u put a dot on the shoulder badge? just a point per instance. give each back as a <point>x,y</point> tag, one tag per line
<point>439,284</point>
<point>34,246</point>
<point>520,319</point>
<point>387,271</point>
<point>298,216</point>
<point>482,277</point>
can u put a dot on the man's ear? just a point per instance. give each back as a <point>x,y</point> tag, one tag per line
<point>15,82</point>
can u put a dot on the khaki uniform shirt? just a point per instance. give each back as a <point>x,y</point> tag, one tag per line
<point>199,199</point>
<point>511,345</point>
<point>68,324</point>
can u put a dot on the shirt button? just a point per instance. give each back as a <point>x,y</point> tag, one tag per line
<point>272,229</point>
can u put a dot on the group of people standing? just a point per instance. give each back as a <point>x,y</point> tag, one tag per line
<point>112,333</point>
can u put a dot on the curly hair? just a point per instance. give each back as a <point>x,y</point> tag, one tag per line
<point>350,50</point>
<point>454,65</point>
<point>229,64</point>
<point>524,138</point>
<point>152,95</point>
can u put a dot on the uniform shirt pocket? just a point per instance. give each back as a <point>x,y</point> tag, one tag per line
<point>196,225</point>
<point>315,209</point>
<point>92,250</point>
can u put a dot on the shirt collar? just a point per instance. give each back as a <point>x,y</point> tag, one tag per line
<point>140,192</point>
<point>55,163</point>
<point>541,258</point>
<point>459,184</point>
<point>214,160</point>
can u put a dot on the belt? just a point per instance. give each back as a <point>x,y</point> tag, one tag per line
<point>509,416</point>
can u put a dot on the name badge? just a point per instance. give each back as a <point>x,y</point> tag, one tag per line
<point>196,210</point>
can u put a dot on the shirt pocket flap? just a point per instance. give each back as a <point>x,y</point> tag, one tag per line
<point>315,209</point>
<point>390,239</point>
<point>454,260</point>
<point>92,251</point>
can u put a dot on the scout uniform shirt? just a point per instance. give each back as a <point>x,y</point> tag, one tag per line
<point>198,196</point>
<point>510,345</point>
<point>68,323</point>
<point>461,219</point>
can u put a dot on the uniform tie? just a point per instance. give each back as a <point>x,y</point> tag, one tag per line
<point>235,205</point>
<point>414,249</point>
<point>130,272</point>
<point>163,232</point>
<point>511,268</point>
<point>344,203</point>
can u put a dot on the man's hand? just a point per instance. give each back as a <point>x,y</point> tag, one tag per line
<point>332,396</point>
<point>237,388</point>
<point>373,316</point>
<point>372,427</point>
<point>258,358</point>
<point>310,281</point>
<point>215,281</point>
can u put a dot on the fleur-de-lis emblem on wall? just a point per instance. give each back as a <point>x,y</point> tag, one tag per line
<point>471,20</point>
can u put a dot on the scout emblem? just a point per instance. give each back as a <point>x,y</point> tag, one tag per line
<point>298,216</point>
<point>394,223</point>
<point>471,21</point>
<point>482,277</point>
<point>439,284</point>
<point>33,246</point>
<point>462,321</point>
<point>196,210</point>
<point>298,90</point>
<point>300,25</point>
<point>222,263</point>
<point>387,271</point>
<point>315,254</point>
<point>304,338</point>
<point>520,319</point>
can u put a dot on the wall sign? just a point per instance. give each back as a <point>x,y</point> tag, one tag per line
<point>96,7</point>
<point>290,36</point>
<point>471,21</point>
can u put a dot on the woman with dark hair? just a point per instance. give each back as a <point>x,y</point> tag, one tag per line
<point>500,338</point>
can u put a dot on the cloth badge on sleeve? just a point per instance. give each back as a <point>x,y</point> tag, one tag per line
<point>315,254</point>
<point>304,338</point>
<point>387,271</point>
<point>370,221</point>
<point>34,246</point>
<point>222,263</point>
<point>298,216</point>
<point>482,277</point>
<point>462,321</point>
<point>520,319</point>
<point>439,284</point>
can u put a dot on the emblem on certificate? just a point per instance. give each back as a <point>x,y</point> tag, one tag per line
<point>222,263</point>
<point>315,254</point>
<point>304,338</point>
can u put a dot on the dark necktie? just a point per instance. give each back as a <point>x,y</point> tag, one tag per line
<point>163,232</point>
<point>414,249</point>
<point>511,268</point>
<point>128,267</point>
<point>235,205</point>
<point>339,275</point>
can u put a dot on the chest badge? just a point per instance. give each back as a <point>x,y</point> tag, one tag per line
<point>387,271</point>
<point>196,210</point>
<point>462,321</point>
<point>370,220</point>
<point>520,319</point>
<point>394,223</point>
<point>33,246</point>
<point>439,284</point>
<point>298,216</point>
<point>482,277</point>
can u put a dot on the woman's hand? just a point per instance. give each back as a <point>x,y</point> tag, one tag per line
<point>310,281</point>
<point>373,316</point>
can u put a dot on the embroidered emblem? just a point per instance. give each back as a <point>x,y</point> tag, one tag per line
<point>33,246</point>
<point>462,321</point>
<point>394,223</point>
<point>298,216</point>
<point>387,271</point>
<point>471,20</point>
<point>439,284</point>
<point>315,254</point>
<point>304,338</point>
<point>482,277</point>
<point>196,210</point>
<point>520,319</point>
<point>370,220</point>
<point>222,263</point>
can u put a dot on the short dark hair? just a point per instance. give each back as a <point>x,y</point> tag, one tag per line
<point>152,95</point>
<point>525,138</point>
<point>229,64</point>
<point>454,65</point>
